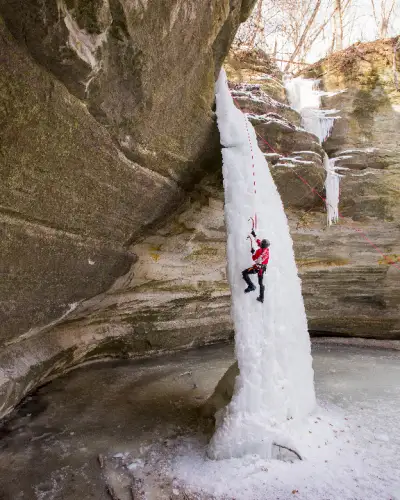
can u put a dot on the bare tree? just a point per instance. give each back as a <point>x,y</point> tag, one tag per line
<point>303,37</point>
<point>338,25</point>
<point>382,13</point>
<point>285,28</point>
<point>396,47</point>
<point>296,32</point>
<point>258,24</point>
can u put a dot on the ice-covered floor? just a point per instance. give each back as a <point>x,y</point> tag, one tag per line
<point>141,417</point>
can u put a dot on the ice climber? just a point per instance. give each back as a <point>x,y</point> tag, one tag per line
<point>260,258</point>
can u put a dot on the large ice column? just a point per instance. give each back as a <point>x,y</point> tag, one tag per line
<point>275,387</point>
<point>305,97</point>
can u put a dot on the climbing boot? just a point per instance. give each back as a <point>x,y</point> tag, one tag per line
<point>261,297</point>
<point>250,288</point>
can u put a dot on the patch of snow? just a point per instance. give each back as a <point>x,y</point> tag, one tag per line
<point>274,392</point>
<point>255,93</point>
<point>341,157</point>
<point>297,160</point>
<point>382,437</point>
<point>363,174</point>
<point>135,464</point>
<point>358,150</point>
<point>271,155</point>
<point>287,165</point>
<point>307,152</point>
<point>270,118</point>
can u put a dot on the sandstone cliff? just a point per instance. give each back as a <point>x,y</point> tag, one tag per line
<point>106,121</point>
<point>364,291</point>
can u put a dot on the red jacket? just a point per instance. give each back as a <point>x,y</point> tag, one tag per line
<point>261,256</point>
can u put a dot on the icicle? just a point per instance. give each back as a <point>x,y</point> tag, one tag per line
<point>305,98</point>
<point>332,188</point>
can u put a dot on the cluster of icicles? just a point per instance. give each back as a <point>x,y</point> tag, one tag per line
<point>305,97</point>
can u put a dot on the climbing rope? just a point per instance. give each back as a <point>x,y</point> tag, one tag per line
<point>254,219</point>
<point>376,248</point>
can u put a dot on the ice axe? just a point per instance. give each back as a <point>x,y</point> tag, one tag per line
<point>253,222</point>
<point>251,243</point>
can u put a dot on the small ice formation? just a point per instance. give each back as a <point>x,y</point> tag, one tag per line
<point>332,188</point>
<point>84,44</point>
<point>305,97</point>
<point>274,391</point>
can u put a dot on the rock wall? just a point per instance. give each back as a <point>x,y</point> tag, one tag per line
<point>106,119</point>
<point>106,123</point>
<point>365,141</point>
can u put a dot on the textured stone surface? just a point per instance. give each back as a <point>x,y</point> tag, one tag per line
<point>366,140</point>
<point>69,199</point>
<point>145,70</point>
<point>106,119</point>
<point>366,143</point>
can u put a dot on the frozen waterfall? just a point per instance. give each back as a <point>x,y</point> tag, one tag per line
<point>275,388</point>
<point>305,97</point>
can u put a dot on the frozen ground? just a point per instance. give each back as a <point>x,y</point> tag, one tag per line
<point>141,417</point>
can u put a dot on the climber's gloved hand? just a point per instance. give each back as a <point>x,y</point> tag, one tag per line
<point>252,250</point>
<point>253,233</point>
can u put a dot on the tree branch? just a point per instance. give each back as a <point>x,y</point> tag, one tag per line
<point>304,35</point>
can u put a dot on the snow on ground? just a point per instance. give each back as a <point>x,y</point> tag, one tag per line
<point>275,388</point>
<point>352,455</point>
<point>352,443</point>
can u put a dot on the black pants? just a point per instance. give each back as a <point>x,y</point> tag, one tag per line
<point>259,270</point>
